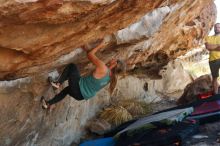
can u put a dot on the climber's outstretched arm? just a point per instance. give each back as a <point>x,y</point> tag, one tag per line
<point>101,68</point>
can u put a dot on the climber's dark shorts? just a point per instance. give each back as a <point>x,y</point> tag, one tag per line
<point>214,67</point>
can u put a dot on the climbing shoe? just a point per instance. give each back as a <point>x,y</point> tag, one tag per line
<point>45,105</point>
<point>56,85</point>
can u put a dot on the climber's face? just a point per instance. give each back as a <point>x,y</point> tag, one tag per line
<point>217,28</point>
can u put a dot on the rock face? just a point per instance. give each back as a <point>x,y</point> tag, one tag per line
<point>201,85</point>
<point>35,34</point>
<point>43,31</point>
<point>38,36</point>
<point>174,79</point>
<point>24,122</point>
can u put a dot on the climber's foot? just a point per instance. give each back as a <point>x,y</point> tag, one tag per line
<point>45,105</point>
<point>56,85</point>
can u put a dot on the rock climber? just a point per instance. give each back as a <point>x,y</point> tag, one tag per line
<point>84,88</point>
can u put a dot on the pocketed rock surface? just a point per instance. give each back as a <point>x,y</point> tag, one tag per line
<point>40,36</point>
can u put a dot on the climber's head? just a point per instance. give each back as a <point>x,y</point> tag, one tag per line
<point>117,67</point>
<point>112,63</point>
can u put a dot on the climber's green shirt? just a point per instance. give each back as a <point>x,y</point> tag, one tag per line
<point>89,85</point>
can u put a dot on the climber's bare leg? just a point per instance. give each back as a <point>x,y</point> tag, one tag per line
<point>215,85</point>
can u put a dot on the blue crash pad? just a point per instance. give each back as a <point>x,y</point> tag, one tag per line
<point>100,142</point>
